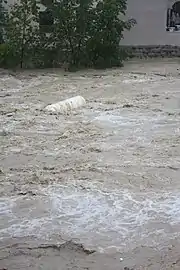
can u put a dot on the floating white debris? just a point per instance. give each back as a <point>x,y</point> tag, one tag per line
<point>66,105</point>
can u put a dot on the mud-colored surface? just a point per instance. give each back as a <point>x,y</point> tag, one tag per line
<point>103,178</point>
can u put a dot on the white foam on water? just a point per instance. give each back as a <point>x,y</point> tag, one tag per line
<point>9,82</point>
<point>98,219</point>
<point>143,127</point>
<point>6,206</point>
<point>130,81</point>
<point>131,119</point>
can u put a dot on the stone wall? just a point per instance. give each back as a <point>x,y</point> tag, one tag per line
<point>151,51</point>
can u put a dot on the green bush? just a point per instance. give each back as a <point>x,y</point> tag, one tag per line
<point>3,54</point>
<point>91,32</point>
<point>84,34</point>
<point>3,20</point>
<point>8,58</point>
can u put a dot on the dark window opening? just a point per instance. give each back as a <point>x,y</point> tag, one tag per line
<point>173,18</point>
<point>46,20</point>
<point>47,3</point>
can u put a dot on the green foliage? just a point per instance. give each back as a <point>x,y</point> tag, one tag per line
<point>3,20</point>
<point>22,31</point>
<point>85,33</point>
<point>91,32</point>
<point>71,28</point>
<point>7,56</point>
<point>106,31</point>
<point>3,54</point>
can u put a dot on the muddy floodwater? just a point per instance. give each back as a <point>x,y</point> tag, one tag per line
<point>97,188</point>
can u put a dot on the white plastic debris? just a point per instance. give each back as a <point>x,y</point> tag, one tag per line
<point>67,105</point>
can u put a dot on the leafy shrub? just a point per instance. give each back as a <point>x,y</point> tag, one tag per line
<point>3,20</point>
<point>91,32</point>
<point>22,30</point>
<point>8,57</point>
<point>83,33</point>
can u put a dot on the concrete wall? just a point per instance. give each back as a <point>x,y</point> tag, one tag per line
<point>151,24</point>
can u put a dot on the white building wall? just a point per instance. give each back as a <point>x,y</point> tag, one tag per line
<point>151,24</point>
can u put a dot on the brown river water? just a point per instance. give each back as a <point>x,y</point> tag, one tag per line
<point>103,178</point>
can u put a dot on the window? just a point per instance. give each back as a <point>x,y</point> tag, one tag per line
<point>173,18</point>
<point>47,3</point>
<point>46,20</point>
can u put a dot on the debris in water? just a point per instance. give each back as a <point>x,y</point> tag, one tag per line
<point>94,149</point>
<point>173,168</point>
<point>67,105</point>
<point>5,95</point>
<point>128,105</point>
<point>3,133</point>
<point>110,102</point>
<point>67,245</point>
<point>48,168</point>
<point>29,192</point>
<point>161,75</point>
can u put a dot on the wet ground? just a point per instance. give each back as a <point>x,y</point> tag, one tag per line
<point>97,188</point>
